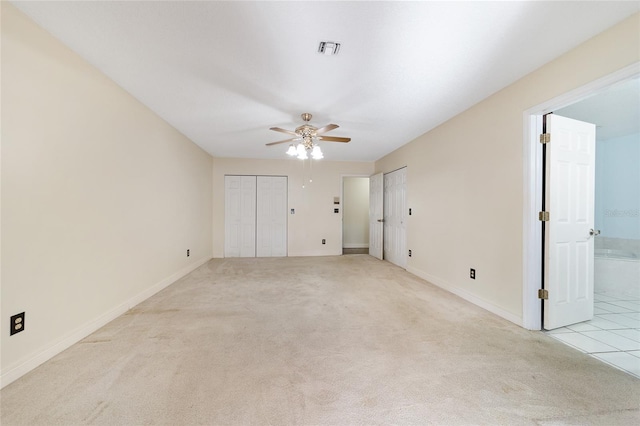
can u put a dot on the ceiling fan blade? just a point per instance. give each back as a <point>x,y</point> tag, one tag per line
<point>333,139</point>
<point>284,141</point>
<point>278,129</point>
<point>326,128</point>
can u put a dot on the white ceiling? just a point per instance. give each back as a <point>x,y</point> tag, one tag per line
<point>222,73</point>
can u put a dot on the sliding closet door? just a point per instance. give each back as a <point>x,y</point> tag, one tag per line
<point>271,233</point>
<point>240,216</point>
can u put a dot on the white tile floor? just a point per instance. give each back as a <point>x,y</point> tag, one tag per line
<point>612,336</point>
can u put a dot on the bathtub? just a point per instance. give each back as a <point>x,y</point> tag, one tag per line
<point>617,272</point>
<point>615,254</point>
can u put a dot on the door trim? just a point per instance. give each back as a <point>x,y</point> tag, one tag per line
<point>532,188</point>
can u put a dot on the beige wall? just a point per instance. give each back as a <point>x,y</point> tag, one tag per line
<point>355,220</point>
<point>465,177</point>
<point>314,218</point>
<point>100,197</point>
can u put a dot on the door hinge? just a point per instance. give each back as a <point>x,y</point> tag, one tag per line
<point>545,138</point>
<point>543,294</point>
<point>543,216</point>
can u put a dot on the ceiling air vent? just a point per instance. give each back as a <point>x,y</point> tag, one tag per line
<point>328,48</point>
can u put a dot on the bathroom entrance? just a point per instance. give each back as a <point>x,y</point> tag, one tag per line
<point>617,187</point>
<point>612,333</point>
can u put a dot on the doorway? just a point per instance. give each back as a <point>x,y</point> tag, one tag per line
<point>387,216</point>
<point>355,215</point>
<point>615,342</point>
<point>532,165</point>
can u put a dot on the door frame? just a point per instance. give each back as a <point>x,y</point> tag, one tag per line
<point>532,188</point>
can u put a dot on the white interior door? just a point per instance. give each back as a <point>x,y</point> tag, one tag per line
<point>394,234</point>
<point>240,216</point>
<point>376,211</point>
<point>271,221</point>
<point>570,168</point>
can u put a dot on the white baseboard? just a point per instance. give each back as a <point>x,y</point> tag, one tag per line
<point>467,296</point>
<point>355,245</point>
<point>83,331</point>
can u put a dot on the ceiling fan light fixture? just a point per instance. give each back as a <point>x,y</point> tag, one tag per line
<point>292,150</point>
<point>316,153</point>
<point>304,143</point>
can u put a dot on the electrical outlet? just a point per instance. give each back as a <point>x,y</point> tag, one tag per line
<point>188,252</point>
<point>17,324</point>
<point>409,212</point>
<point>324,241</point>
<point>409,253</point>
<point>472,274</point>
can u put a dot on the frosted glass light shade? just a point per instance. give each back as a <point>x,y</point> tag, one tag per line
<point>316,153</point>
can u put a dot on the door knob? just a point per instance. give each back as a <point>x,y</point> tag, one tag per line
<point>594,232</point>
<point>380,220</point>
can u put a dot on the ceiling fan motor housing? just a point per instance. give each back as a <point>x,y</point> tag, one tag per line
<point>307,132</point>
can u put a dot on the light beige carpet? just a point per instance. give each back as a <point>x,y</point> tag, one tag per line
<point>339,340</point>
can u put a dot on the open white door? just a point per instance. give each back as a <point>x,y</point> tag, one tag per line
<point>570,176</point>
<point>376,188</point>
<point>394,235</point>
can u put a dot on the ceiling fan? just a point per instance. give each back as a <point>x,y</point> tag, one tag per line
<point>307,135</point>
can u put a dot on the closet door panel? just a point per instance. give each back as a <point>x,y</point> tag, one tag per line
<point>271,236</point>
<point>240,216</point>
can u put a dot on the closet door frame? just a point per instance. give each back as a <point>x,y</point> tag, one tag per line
<point>256,219</point>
